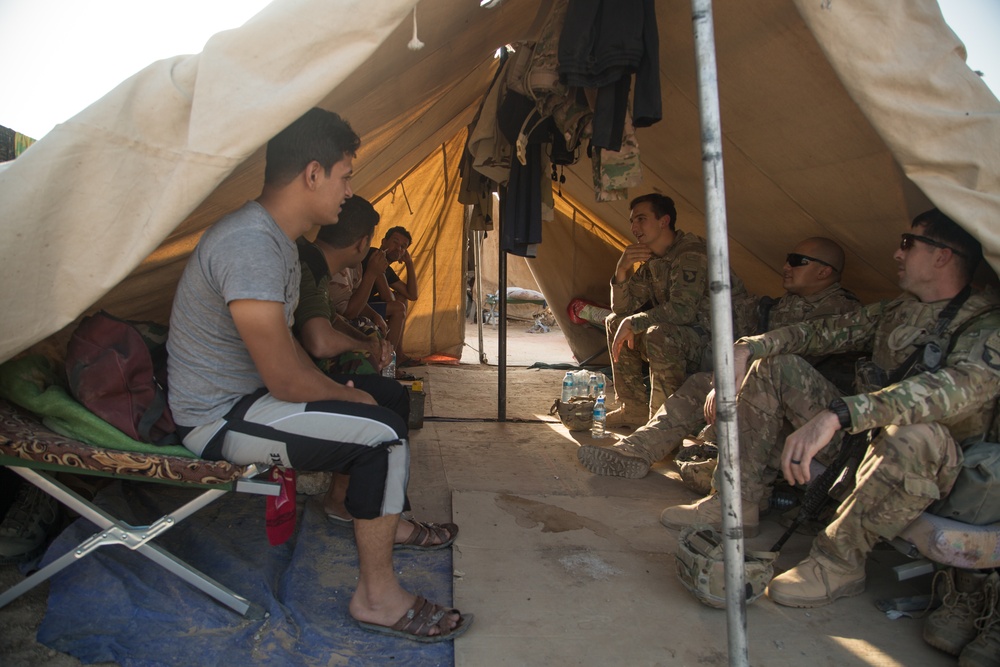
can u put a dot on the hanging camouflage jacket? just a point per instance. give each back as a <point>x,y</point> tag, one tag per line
<point>676,286</point>
<point>960,395</point>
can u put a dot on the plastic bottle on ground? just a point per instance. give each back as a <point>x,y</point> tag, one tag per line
<point>600,415</point>
<point>390,368</point>
<point>567,387</point>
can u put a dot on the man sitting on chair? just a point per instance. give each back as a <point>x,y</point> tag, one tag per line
<point>243,389</point>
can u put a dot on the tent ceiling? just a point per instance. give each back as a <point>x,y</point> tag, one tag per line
<point>173,148</point>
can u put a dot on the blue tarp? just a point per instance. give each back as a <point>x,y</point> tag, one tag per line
<point>117,605</point>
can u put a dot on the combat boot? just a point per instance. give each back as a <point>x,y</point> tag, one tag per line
<point>709,511</point>
<point>812,584</point>
<point>27,524</point>
<point>615,461</point>
<point>984,650</point>
<point>953,625</point>
<point>623,417</point>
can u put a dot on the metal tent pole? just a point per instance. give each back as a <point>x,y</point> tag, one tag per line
<point>722,329</point>
<point>477,253</point>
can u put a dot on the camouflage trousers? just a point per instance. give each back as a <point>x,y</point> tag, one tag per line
<point>779,395</point>
<point>905,469</point>
<point>680,415</point>
<point>669,349</point>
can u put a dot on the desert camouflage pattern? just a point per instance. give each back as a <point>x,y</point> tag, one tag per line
<point>617,171</point>
<point>904,470</point>
<point>701,569</point>
<point>681,412</point>
<point>960,395</point>
<point>779,395</point>
<point>914,459</point>
<point>672,335</point>
<point>792,308</point>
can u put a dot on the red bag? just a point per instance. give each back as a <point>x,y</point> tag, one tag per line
<point>280,510</point>
<point>117,370</point>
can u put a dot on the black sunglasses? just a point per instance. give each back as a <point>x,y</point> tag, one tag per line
<point>795,259</point>
<point>906,242</point>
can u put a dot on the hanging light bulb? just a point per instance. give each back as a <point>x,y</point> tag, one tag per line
<point>415,44</point>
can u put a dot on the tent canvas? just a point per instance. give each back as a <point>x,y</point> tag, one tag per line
<point>840,119</point>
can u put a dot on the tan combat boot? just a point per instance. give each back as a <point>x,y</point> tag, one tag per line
<point>615,461</point>
<point>623,417</point>
<point>810,584</point>
<point>984,650</point>
<point>953,625</point>
<point>709,511</point>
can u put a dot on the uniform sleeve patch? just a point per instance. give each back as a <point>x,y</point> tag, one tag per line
<point>991,356</point>
<point>689,276</point>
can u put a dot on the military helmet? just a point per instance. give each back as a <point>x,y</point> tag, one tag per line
<point>576,414</point>
<point>701,569</point>
<point>696,460</point>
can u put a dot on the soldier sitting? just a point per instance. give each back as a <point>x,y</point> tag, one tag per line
<point>673,333</point>
<point>811,278</point>
<point>920,412</point>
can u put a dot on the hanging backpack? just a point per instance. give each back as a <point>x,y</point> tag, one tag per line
<point>117,370</point>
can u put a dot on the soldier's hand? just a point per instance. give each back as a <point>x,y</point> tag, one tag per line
<point>710,407</point>
<point>624,335</point>
<point>635,253</point>
<point>741,359</point>
<point>803,445</point>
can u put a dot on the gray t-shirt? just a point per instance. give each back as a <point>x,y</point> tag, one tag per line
<point>245,255</point>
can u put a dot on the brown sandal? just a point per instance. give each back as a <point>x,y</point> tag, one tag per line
<point>429,536</point>
<point>418,621</point>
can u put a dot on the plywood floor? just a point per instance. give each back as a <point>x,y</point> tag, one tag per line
<point>562,567</point>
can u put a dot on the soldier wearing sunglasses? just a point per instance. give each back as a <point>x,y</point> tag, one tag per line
<point>811,278</point>
<point>919,416</point>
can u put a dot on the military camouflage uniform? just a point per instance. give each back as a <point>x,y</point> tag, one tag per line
<point>681,414</point>
<point>915,458</point>
<point>672,335</point>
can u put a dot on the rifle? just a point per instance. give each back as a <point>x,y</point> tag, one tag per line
<point>838,475</point>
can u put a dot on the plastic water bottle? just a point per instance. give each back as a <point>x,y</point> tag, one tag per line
<point>600,385</point>
<point>567,388</point>
<point>592,386</point>
<point>600,414</point>
<point>390,368</point>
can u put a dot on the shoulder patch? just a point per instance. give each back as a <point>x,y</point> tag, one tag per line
<point>991,355</point>
<point>689,275</point>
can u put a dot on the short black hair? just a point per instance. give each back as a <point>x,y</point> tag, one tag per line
<point>662,205</point>
<point>398,230</point>
<point>940,227</point>
<point>318,135</point>
<point>357,220</point>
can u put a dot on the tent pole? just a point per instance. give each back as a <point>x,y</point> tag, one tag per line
<point>477,254</point>
<point>722,329</point>
<point>502,311</point>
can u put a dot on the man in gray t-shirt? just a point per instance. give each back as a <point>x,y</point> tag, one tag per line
<point>243,389</point>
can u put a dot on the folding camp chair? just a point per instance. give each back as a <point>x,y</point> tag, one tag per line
<point>34,452</point>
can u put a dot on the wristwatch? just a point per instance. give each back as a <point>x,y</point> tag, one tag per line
<point>839,408</point>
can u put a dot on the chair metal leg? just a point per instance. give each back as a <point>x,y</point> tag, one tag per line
<point>137,538</point>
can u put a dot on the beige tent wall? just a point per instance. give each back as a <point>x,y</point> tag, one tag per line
<point>105,209</point>
<point>85,204</point>
<point>426,203</point>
